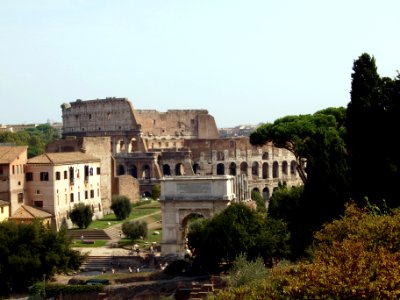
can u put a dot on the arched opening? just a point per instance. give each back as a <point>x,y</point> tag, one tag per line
<point>284,167</point>
<point>166,170</point>
<point>133,171</point>
<point>293,167</point>
<point>243,168</point>
<point>146,194</point>
<point>265,171</point>
<point>196,168</point>
<point>275,170</point>
<point>120,170</point>
<point>146,172</point>
<point>179,171</point>
<point>220,169</point>
<point>265,156</point>
<point>254,169</point>
<point>266,193</point>
<point>232,169</point>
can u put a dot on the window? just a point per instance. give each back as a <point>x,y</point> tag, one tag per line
<point>2,209</point>
<point>1,170</point>
<point>71,198</point>
<point>13,170</point>
<point>29,176</point>
<point>58,175</point>
<point>65,174</point>
<point>44,176</point>
<point>20,197</point>
<point>71,175</point>
<point>91,193</point>
<point>86,195</point>
<point>79,196</point>
<point>98,171</point>
<point>38,203</point>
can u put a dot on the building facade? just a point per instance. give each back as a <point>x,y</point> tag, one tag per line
<point>56,182</point>
<point>12,177</point>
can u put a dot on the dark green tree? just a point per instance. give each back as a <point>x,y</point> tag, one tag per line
<point>260,201</point>
<point>234,231</point>
<point>135,229</point>
<point>81,215</point>
<point>121,205</point>
<point>156,192</point>
<point>373,114</point>
<point>318,145</point>
<point>27,251</point>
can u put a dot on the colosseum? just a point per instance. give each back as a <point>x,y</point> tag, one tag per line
<point>148,144</point>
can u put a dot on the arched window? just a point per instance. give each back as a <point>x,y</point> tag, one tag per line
<point>243,168</point>
<point>179,169</point>
<point>284,167</point>
<point>133,171</point>
<point>293,167</point>
<point>166,170</point>
<point>146,172</point>
<point>232,169</point>
<point>220,169</point>
<point>121,170</point>
<point>196,168</point>
<point>254,169</point>
<point>275,170</point>
<point>265,171</point>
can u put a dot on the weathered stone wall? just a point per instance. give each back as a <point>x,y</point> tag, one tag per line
<point>127,185</point>
<point>98,116</point>
<point>177,123</point>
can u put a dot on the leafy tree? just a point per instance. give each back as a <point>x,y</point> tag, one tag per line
<point>156,191</point>
<point>373,114</point>
<point>81,215</point>
<point>236,230</point>
<point>36,138</point>
<point>260,201</point>
<point>121,205</point>
<point>135,229</point>
<point>27,251</point>
<point>318,145</point>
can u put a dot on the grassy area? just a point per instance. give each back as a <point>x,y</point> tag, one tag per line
<point>138,210</point>
<point>97,243</point>
<point>145,243</point>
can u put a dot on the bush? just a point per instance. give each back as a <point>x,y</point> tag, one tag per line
<point>156,192</point>
<point>135,229</point>
<point>244,271</point>
<point>121,205</point>
<point>177,267</point>
<point>81,215</point>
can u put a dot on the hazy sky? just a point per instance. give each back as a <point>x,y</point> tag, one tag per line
<point>245,61</point>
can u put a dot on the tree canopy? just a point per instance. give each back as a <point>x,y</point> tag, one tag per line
<point>28,251</point>
<point>81,215</point>
<point>234,231</point>
<point>317,142</point>
<point>372,122</point>
<point>121,205</point>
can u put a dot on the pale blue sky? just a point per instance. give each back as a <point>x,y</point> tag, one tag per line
<point>245,61</point>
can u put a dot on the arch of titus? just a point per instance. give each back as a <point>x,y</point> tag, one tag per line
<point>186,196</point>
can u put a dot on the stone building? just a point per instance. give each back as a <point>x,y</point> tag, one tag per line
<point>12,177</point>
<point>149,145</point>
<point>55,182</point>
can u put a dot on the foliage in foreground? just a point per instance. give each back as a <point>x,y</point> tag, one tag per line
<point>356,257</point>
<point>28,251</point>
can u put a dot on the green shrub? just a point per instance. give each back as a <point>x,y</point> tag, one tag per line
<point>121,205</point>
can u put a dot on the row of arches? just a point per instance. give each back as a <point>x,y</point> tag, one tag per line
<point>221,169</point>
<point>233,169</point>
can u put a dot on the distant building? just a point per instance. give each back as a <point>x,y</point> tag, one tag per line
<point>12,177</point>
<point>4,210</point>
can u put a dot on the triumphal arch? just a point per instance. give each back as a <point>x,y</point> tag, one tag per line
<point>185,196</point>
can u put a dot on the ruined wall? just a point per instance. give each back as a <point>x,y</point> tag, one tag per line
<point>177,123</point>
<point>126,185</point>
<point>97,117</point>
